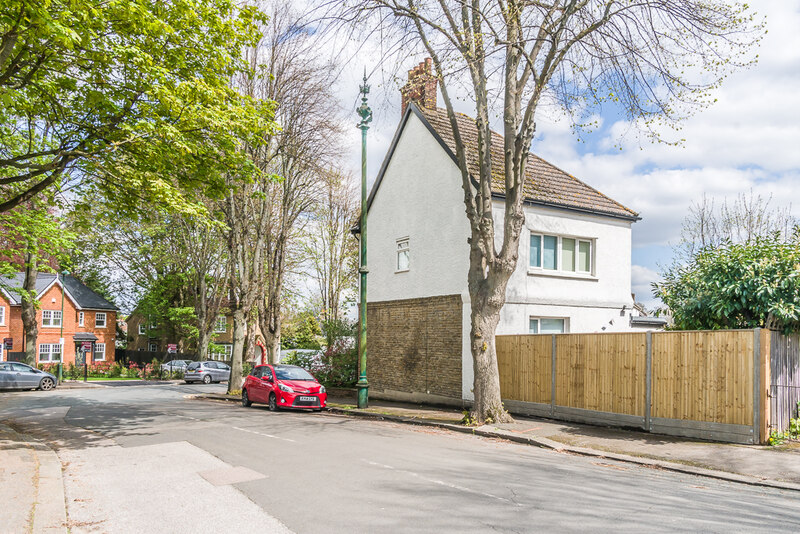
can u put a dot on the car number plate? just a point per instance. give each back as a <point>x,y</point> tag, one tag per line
<point>309,399</point>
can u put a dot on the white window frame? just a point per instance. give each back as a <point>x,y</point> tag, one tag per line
<point>97,315</point>
<point>142,329</point>
<point>49,352</point>
<point>81,318</point>
<point>2,348</point>
<point>51,316</point>
<point>152,346</point>
<point>221,324</point>
<point>98,350</point>
<point>2,316</point>
<point>539,269</point>
<point>226,354</point>
<point>403,245</point>
<point>538,320</point>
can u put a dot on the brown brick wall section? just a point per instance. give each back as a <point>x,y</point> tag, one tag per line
<point>414,345</point>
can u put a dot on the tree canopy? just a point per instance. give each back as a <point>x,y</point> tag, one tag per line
<point>737,285</point>
<point>133,96</point>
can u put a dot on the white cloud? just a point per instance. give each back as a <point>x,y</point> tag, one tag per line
<point>641,280</point>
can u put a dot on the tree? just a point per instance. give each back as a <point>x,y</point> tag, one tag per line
<point>330,248</point>
<point>130,96</point>
<point>300,153</point>
<point>32,240</point>
<point>737,285</point>
<point>655,61</point>
<point>742,221</point>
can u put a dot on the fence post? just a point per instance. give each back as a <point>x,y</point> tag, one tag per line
<point>648,403</point>
<point>553,379</point>
<point>756,385</point>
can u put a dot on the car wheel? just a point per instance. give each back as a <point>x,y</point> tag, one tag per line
<point>273,403</point>
<point>245,400</point>
<point>207,379</point>
<point>47,384</point>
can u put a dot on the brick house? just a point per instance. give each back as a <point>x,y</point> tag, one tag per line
<point>86,317</point>
<point>573,272</point>
<point>146,334</point>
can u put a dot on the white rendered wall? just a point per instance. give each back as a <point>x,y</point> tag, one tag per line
<point>420,197</point>
<point>589,303</point>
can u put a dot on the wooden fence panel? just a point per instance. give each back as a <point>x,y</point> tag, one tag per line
<point>602,372</point>
<point>785,383</point>
<point>703,376</point>
<point>525,366</point>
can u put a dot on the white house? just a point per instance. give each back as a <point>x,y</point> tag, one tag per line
<point>573,274</point>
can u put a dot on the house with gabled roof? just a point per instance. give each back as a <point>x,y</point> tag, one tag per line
<point>573,272</point>
<point>84,317</point>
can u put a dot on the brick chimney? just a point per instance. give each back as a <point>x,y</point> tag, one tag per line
<point>421,87</point>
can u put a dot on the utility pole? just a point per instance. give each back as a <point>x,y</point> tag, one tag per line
<point>366,117</point>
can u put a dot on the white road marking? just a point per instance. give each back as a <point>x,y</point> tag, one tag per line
<point>441,482</point>
<point>263,434</point>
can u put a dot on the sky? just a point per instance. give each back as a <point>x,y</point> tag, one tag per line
<point>749,140</point>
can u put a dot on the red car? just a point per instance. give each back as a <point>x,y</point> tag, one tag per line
<point>283,386</point>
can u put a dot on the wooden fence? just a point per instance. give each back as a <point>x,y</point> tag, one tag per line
<point>705,384</point>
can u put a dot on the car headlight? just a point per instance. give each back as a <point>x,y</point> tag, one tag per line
<point>285,388</point>
<point>322,389</point>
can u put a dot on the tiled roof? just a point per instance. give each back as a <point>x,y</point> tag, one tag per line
<point>545,183</point>
<point>85,297</point>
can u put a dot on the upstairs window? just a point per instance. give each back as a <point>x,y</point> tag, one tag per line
<point>100,320</point>
<point>556,253</point>
<point>142,329</point>
<point>221,326</point>
<point>2,315</point>
<point>80,318</point>
<point>51,318</point>
<point>403,255</point>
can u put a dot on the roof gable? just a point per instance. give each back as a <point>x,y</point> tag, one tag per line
<point>545,184</point>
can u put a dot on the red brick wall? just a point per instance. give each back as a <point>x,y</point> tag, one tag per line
<point>51,300</point>
<point>414,346</point>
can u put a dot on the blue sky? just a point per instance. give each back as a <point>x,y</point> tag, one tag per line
<point>748,140</point>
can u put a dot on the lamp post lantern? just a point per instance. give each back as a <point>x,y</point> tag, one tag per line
<point>366,117</point>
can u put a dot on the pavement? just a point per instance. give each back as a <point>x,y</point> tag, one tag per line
<point>758,465</point>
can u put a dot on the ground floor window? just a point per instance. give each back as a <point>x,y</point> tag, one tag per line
<point>152,347</point>
<point>99,352</point>
<point>225,354</point>
<point>1,351</point>
<point>547,325</point>
<point>49,352</point>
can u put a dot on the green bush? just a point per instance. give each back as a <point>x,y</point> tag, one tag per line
<point>114,371</point>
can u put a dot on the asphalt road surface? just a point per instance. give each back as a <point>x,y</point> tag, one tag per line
<point>135,447</point>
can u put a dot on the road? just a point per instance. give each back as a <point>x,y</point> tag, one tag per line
<point>147,457</point>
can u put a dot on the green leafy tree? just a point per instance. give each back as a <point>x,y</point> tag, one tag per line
<point>131,96</point>
<point>737,285</point>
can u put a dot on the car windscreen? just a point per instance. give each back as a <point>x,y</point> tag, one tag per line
<point>292,373</point>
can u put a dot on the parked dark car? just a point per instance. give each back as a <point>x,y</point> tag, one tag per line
<point>207,372</point>
<point>283,386</point>
<point>15,375</point>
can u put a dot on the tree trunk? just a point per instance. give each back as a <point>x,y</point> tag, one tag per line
<point>487,296</point>
<point>28,298</point>
<point>202,342</point>
<point>239,327</point>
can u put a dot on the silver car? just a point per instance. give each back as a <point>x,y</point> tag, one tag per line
<point>15,375</point>
<point>207,372</point>
<point>175,365</point>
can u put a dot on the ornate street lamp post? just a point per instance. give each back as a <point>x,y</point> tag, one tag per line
<point>366,117</point>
